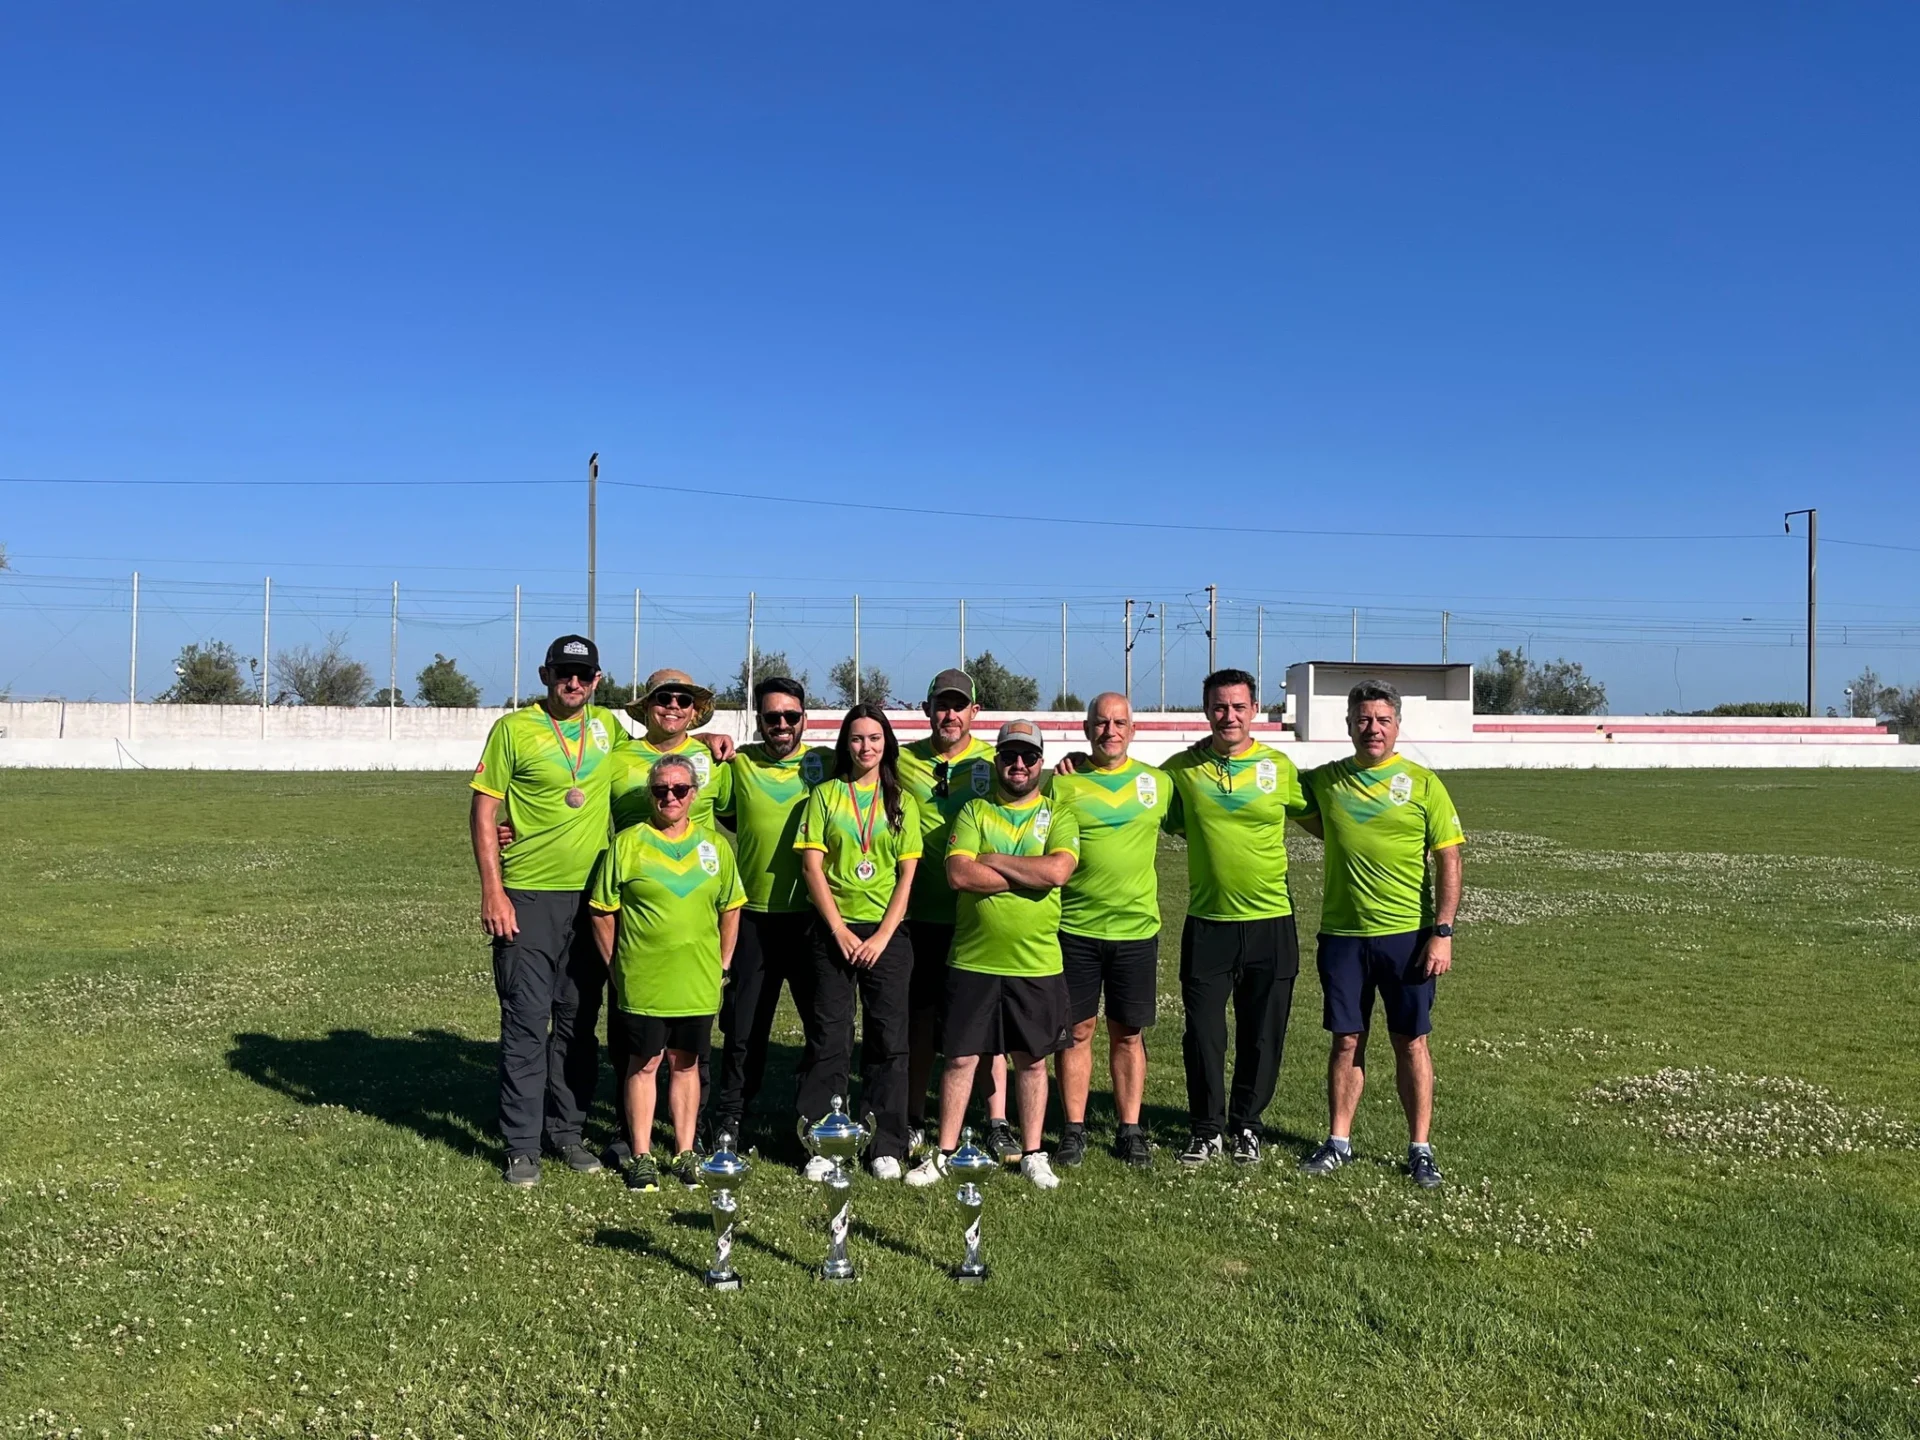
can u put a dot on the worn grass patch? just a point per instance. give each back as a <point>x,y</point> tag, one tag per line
<point>248,1188</point>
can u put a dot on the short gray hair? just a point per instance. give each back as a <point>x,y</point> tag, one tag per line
<point>1368,690</point>
<point>675,762</point>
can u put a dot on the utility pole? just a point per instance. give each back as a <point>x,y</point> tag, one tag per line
<point>963,634</point>
<point>746,700</point>
<point>1163,655</point>
<point>593,493</point>
<point>633,681</point>
<point>1813,570</point>
<point>133,656</point>
<point>1063,650</point>
<point>266,649</point>
<point>1259,654</point>
<point>393,663</point>
<point>1213,596</point>
<point>1356,633</point>
<point>1126,631</point>
<point>1445,616</point>
<point>856,652</point>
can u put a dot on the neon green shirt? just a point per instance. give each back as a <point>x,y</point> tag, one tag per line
<point>766,798</point>
<point>1016,932</point>
<point>554,845</point>
<point>1379,824</point>
<point>1233,812</point>
<point>669,895</point>
<point>1114,893</point>
<point>632,804</point>
<point>968,776</point>
<point>831,826</point>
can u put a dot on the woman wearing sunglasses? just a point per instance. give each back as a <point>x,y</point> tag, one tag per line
<point>859,845</point>
<point>667,901</point>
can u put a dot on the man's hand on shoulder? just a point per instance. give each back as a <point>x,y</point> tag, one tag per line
<point>1073,762</point>
<point>719,743</point>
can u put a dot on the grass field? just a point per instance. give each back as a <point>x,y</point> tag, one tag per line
<point>248,1186</point>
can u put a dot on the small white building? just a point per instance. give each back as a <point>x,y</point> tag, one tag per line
<point>1436,700</point>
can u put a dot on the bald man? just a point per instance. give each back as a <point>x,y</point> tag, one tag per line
<point>1110,924</point>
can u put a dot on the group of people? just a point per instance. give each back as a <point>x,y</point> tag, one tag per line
<point>964,901</point>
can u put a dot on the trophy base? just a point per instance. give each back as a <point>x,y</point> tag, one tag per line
<point>722,1282</point>
<point>971,1277</point>
<point>834,1275</point>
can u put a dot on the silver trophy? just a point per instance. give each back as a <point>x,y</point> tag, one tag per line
<point>840,1138</point>
<point>722,1173</point>
<point>970,1164</point>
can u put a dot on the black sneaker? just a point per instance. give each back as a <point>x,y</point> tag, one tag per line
<point>641,1174</point>
<point>579,1159</point>
<point>686,1169</point>
<point>1001,1144</point>
<point>1130,1146</point>
<point>616,1155</point>
<point>1202,1148</point>
<point>522,1171</point>
<point>1072,1148</point>
<point>1246,1148</point>
<point>1325,1160</point>
<point>1423,1171</point>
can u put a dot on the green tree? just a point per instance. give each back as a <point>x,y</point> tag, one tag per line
<point>442,685</point>
<point>325,676</point>
<point>999,688</point>
<point>765,662</point>
<point>1500,685</point>
<point>875,684</point>
<point>1773,709</point>
<point>208,675</point>
<point>384,698</point>
<point>612,694</point>
<point>1901,710</point>
<point>1067,700</point>
<point>1511,684</point>
<point>1868,695</point>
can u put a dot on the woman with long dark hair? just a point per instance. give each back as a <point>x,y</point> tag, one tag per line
<point>859,843</point>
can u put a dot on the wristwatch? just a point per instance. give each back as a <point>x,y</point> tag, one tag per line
<point>1443,932</point>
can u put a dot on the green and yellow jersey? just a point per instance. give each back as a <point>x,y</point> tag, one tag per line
<point>835,814</point>
<point>669,895</point>
<point>1115,892</point>
<point>1233,811</point>
<point>530,764</point>
<point>632,804</point>
<point>1016,932</point>
<point>766,798</point>
<point>941,788</point>
<point>1379,822</point>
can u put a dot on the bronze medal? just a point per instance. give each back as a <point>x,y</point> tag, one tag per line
<point>576,797</point>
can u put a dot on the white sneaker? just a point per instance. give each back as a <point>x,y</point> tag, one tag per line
<point>1036,1168</point>
<point>818,1169</point>
<point>931,1170</point>
<point>885,1167</point>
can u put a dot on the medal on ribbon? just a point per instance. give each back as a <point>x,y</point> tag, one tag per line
<point>576,797</point>
<point>863,828</point>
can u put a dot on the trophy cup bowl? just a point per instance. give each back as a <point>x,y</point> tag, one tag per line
<point>971,1165</point>
<point>721,1173</point>
<point>840,1138</point>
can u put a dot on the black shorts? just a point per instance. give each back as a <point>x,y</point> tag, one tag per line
<point>1129,970</point>
<point>932,944</point>
<point>1353,967</point>
<point>645,1036</point>
<point>1001,1014</point>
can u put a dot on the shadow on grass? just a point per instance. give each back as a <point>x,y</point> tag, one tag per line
<point>439,1085</point>
<point>702,1221</point>
<point>639,1242</point>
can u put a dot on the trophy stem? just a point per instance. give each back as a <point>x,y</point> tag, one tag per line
<point>722,1275</point>
<point>971,1270</point>
<point>839,1265</point>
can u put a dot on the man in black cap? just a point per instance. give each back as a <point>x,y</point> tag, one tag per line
<point>546,772</point>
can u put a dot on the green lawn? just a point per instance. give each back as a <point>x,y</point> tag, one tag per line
<point>247,1184</point>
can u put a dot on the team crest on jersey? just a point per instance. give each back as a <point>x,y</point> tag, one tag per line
<point>709,858</point>
<point>1266,775</point>
<point>1148,789</point>
<point>813,767</point>
<point>1042,823</point>
<point>702,768</point>
<point>1400,789</point>
<point>982,778</point>
<point>598,730</point>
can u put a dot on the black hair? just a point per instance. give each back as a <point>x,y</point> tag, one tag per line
<point>1222,679</point>
<point>889,758</point>
<point>778,685</point>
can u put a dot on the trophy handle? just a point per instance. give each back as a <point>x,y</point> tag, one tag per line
<point>872,1122</point>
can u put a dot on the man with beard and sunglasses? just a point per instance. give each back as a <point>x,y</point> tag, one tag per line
<point>547,772</point>
<point>942,773</point>
<point>765,797</point>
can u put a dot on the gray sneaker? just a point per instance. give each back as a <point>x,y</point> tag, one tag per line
<point>522,1171</point>
<point>1327,1159</point>
<point>580,1160</point>
<point>1423,1171</point>
<point>1201,1149</point>
<point>1246,1147</point>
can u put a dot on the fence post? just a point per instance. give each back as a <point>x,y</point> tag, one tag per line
<point>746,701</point>
<point>515,702</point>
<point>963,633</point>
<point>393,665</point>
<point>856,652</point>
<point>266,649</point>
<point>633,680</point>
<point>133,656</point>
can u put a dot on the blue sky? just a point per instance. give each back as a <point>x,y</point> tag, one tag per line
<point>1463,269</point>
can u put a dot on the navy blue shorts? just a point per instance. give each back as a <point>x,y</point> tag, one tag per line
<point>1353,967</point>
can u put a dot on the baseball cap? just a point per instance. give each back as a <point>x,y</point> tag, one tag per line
<point>573,650</point>
<point>958,681</point>
<point>1020,732</point>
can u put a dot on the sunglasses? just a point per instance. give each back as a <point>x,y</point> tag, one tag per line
<point>573,672</point>
<point>1019,759</point>
<point>670,792</point>
<point>679,698</point>
<point>781,717</point>
<point>941,770</point>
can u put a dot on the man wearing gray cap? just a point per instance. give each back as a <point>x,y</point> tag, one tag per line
<point>1007,857</point>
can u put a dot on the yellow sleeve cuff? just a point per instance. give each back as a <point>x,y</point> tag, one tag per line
<point>486,790</point>
<point>604,909</point>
